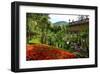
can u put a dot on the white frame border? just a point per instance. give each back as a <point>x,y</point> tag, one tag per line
<point>52,63</point>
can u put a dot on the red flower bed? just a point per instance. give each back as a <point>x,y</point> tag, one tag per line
<point>44,52</point>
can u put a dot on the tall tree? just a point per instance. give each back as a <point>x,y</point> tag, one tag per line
<point>37,24</point>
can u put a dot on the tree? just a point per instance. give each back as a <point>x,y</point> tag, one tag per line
<point>37,24</point>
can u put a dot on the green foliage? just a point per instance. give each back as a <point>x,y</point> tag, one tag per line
<point>41,30</point>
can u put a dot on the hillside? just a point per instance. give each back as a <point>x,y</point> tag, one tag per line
<point>61,23</point>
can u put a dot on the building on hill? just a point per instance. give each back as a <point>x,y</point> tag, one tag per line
<point>79,26</point>
<point>79,35</point>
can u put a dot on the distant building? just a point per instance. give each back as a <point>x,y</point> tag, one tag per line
<point>79,26</point>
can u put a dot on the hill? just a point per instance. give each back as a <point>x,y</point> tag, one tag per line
<point>61,23</point>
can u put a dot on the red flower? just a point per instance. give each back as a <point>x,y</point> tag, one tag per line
<point>44,52</point>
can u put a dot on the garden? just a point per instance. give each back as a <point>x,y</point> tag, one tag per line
<point>47,40</point>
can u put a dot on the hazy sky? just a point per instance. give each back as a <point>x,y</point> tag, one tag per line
<point>55,18</point>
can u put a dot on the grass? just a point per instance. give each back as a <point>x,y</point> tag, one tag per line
<point>35,40</point>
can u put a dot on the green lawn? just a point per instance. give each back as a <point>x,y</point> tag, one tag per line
<point>35,40</point>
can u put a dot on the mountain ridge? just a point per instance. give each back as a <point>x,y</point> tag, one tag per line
<point>61,23</point>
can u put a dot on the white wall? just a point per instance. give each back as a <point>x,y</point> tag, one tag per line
<point>5,28</point>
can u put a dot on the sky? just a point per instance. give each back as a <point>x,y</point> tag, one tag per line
<point>55,18</point>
